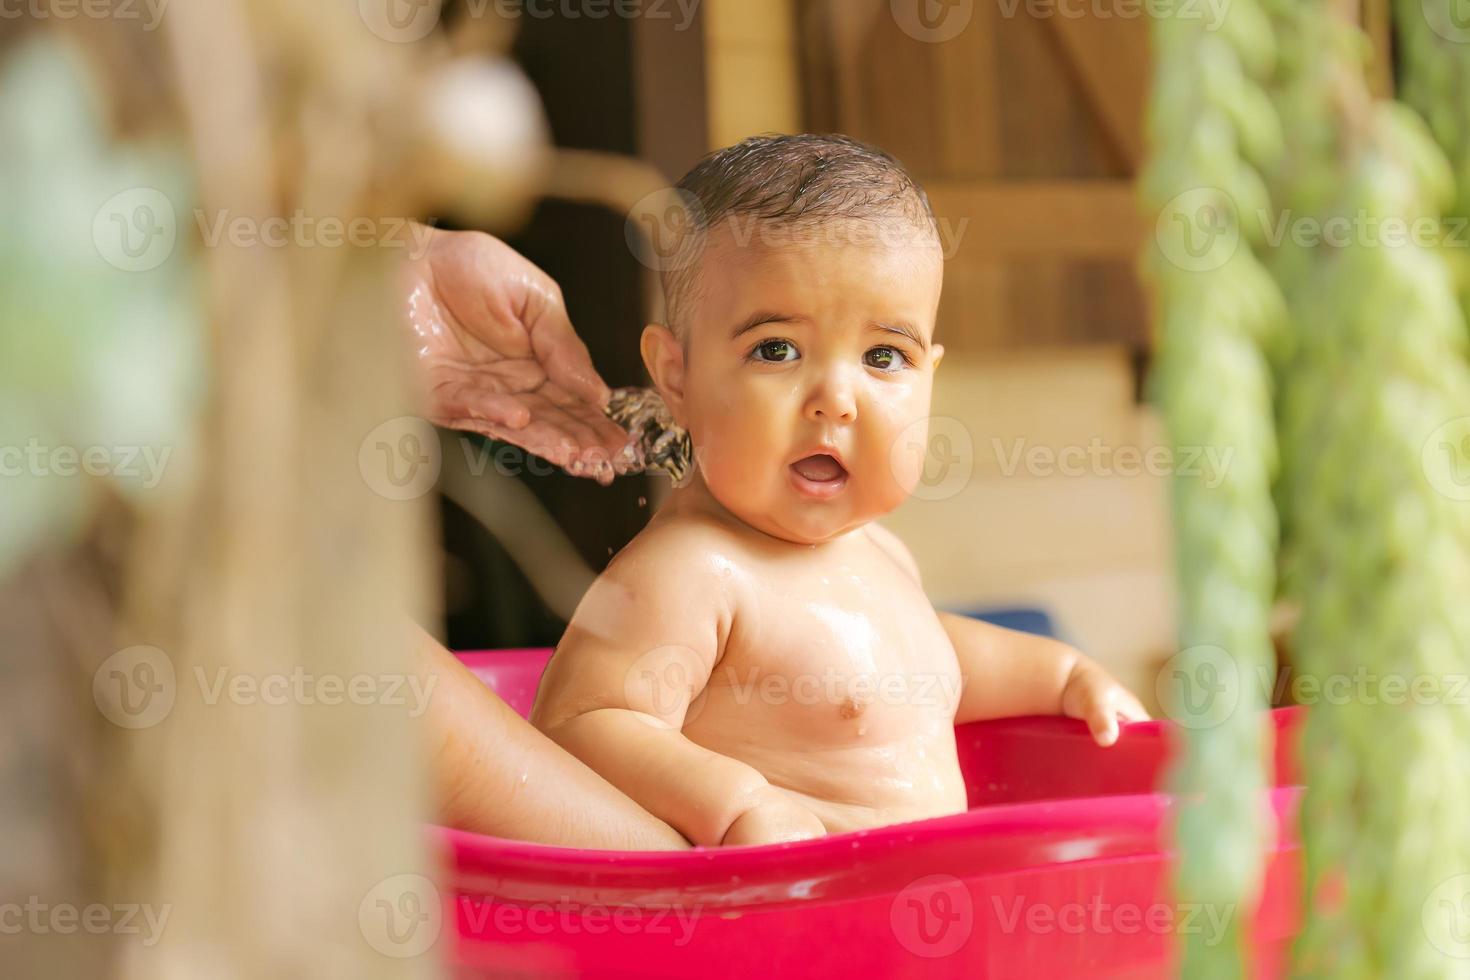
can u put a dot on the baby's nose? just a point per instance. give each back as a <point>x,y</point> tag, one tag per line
<point>832,401</point>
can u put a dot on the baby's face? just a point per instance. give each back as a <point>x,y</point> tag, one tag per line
<point>807,378</point>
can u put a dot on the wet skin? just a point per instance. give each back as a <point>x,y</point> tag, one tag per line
<point>761,663</point>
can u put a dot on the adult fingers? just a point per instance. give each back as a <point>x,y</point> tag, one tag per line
<point>567,442</point>
<point>561,352</point>
<point>461,404</point>
<point>603,437</point>
<point>563,431</point>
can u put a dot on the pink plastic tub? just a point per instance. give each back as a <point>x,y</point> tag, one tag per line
<point>1059,869</point>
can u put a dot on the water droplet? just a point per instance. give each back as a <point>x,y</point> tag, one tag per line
<point>862,730</point>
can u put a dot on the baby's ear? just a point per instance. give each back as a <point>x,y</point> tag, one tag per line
<point>663,355</point>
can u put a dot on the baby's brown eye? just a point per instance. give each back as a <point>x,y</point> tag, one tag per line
<point>885,358</point>
<point>775,350</point>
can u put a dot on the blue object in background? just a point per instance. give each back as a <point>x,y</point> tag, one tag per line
<point>1023,618</point>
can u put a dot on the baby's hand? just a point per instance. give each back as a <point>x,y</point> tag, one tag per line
<point>774,819</point>
<point>1092,695</point>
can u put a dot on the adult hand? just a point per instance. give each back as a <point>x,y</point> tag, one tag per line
<point>502,359</point>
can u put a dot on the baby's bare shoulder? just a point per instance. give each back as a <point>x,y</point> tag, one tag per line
<point>892,546</point>
<point>671,580</point>
<point>681,547</point>
<point>653,612</point>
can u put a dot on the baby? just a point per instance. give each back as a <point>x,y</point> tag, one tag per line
<point>760,663</point>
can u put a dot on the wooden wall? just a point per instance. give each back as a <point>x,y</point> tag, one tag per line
<point>1026,128</point>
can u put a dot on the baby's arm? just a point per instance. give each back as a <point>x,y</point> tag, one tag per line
<point>1007,672</point>
<point>639,650</point>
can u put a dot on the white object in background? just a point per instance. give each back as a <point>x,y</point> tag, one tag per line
<point>487,146</point>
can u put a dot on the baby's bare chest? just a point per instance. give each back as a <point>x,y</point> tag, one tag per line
<point>842,650</point>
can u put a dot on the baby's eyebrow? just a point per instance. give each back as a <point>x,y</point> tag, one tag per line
<point>766,316</point>
<point>903,330</point>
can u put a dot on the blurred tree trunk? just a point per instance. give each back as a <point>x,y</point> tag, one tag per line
<point>206,711</point>
<point>289,835</point>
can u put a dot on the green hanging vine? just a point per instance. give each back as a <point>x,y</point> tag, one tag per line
<point>1212,128</point>
<point>1374,493</point>
<point>1433,45</point>
<point>1379,551</point>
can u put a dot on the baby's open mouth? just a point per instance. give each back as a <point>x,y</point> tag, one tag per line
<point>818,475</point>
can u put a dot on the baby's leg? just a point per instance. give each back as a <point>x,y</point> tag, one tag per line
<point>495,774</point>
